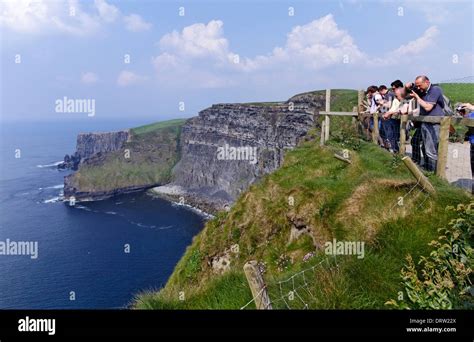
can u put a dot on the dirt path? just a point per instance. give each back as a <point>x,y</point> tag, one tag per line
<point>458,171</point>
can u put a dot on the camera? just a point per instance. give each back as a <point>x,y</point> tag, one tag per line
<point>413,88</point>
<point>460,109</point>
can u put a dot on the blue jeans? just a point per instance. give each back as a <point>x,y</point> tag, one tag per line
<point>430,134</point>
<point>392,133</point>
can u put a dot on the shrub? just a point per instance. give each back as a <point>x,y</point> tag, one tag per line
<point>442,280</point>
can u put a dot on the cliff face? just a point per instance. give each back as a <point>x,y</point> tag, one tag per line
<point>210,159</point>
<point>121,162</point>
<point>208,168</point>
<point>89,144</point>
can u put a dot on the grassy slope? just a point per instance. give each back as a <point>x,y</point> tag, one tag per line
<point>153,152</point>
<point>459,92</point>
<point>348,202</point>
<point>337,200</point>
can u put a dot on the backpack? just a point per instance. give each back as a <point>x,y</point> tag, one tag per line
<point>447,110</point>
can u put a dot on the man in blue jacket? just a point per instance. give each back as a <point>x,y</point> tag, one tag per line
<point>431,102</point>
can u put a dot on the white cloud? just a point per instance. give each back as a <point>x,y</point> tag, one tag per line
<point>183,54</point>
<point>418,45</point>
<point>199,55</point>
<point>197,40</point>
<point>107,12</point>
<point>63,16</point>
<point>42,16</point>
<point>127,78</point>
<point>204,48</point>
<point>316,45</point>
<point>135,23</point>
<point>410,50</point>
<point>89,78</point>
<point>434,11</point>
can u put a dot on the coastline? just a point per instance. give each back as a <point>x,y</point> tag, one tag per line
<point>179,196</point>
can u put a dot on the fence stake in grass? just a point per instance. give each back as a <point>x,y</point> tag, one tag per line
<point>322,133</point>
<point>420,177</point>
<point>403,133</point>
<point>328,109</point>
<point>360,101</point>
<point>347,160</point>
<point>443,147</point>
<point>375,132</point>
<point>326,128</point>
<point>257,286</point>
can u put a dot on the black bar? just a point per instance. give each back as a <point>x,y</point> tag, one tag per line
<point>239,323</point>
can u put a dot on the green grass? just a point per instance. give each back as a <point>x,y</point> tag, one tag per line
<point>349,202</point>
<point>459,92</point>
<point>263,104</point>
<point>176,123</point>
<point>343,100</point>
<point>146,160</point>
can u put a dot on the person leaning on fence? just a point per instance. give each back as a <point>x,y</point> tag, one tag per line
<point>416,141</point>
<point>384,106</point>
<point>396,84</point>
<point>375,107</point>
<point>366,115</point>
<point>431,102</point>
<point>392,119</point>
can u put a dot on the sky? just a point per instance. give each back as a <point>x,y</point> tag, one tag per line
<point>156,60</point>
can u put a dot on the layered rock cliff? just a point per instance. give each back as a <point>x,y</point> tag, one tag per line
<point>125,161</point>
<point>216,155</point>
<point>90,144</point>
<point>208,169</point>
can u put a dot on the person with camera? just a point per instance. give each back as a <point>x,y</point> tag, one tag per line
<point>431,102</point>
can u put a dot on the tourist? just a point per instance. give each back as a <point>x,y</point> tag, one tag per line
<point>392,119</point>
<point>430,99</point>
<point>366,114</point>
<point>384,106</point>
<point>376,105</point>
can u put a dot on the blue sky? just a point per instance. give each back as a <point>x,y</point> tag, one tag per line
<point>218,51</point>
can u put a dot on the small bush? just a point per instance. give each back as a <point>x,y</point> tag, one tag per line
<point>443,279</point>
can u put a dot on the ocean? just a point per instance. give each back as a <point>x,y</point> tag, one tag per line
<point>94,255</point>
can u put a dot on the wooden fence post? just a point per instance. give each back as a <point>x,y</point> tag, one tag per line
<point>443,147</point>
<point>257,286</point>
<point>360,101</point>
<point>326,128</point>
<point>328,100</point>
<point>323,132</point>
<point>328,109</point>
<point>403,133</point>
<point>420,177</point>
<point>375,132</point>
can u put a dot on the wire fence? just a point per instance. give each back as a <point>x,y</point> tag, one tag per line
<point>299,291</point>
